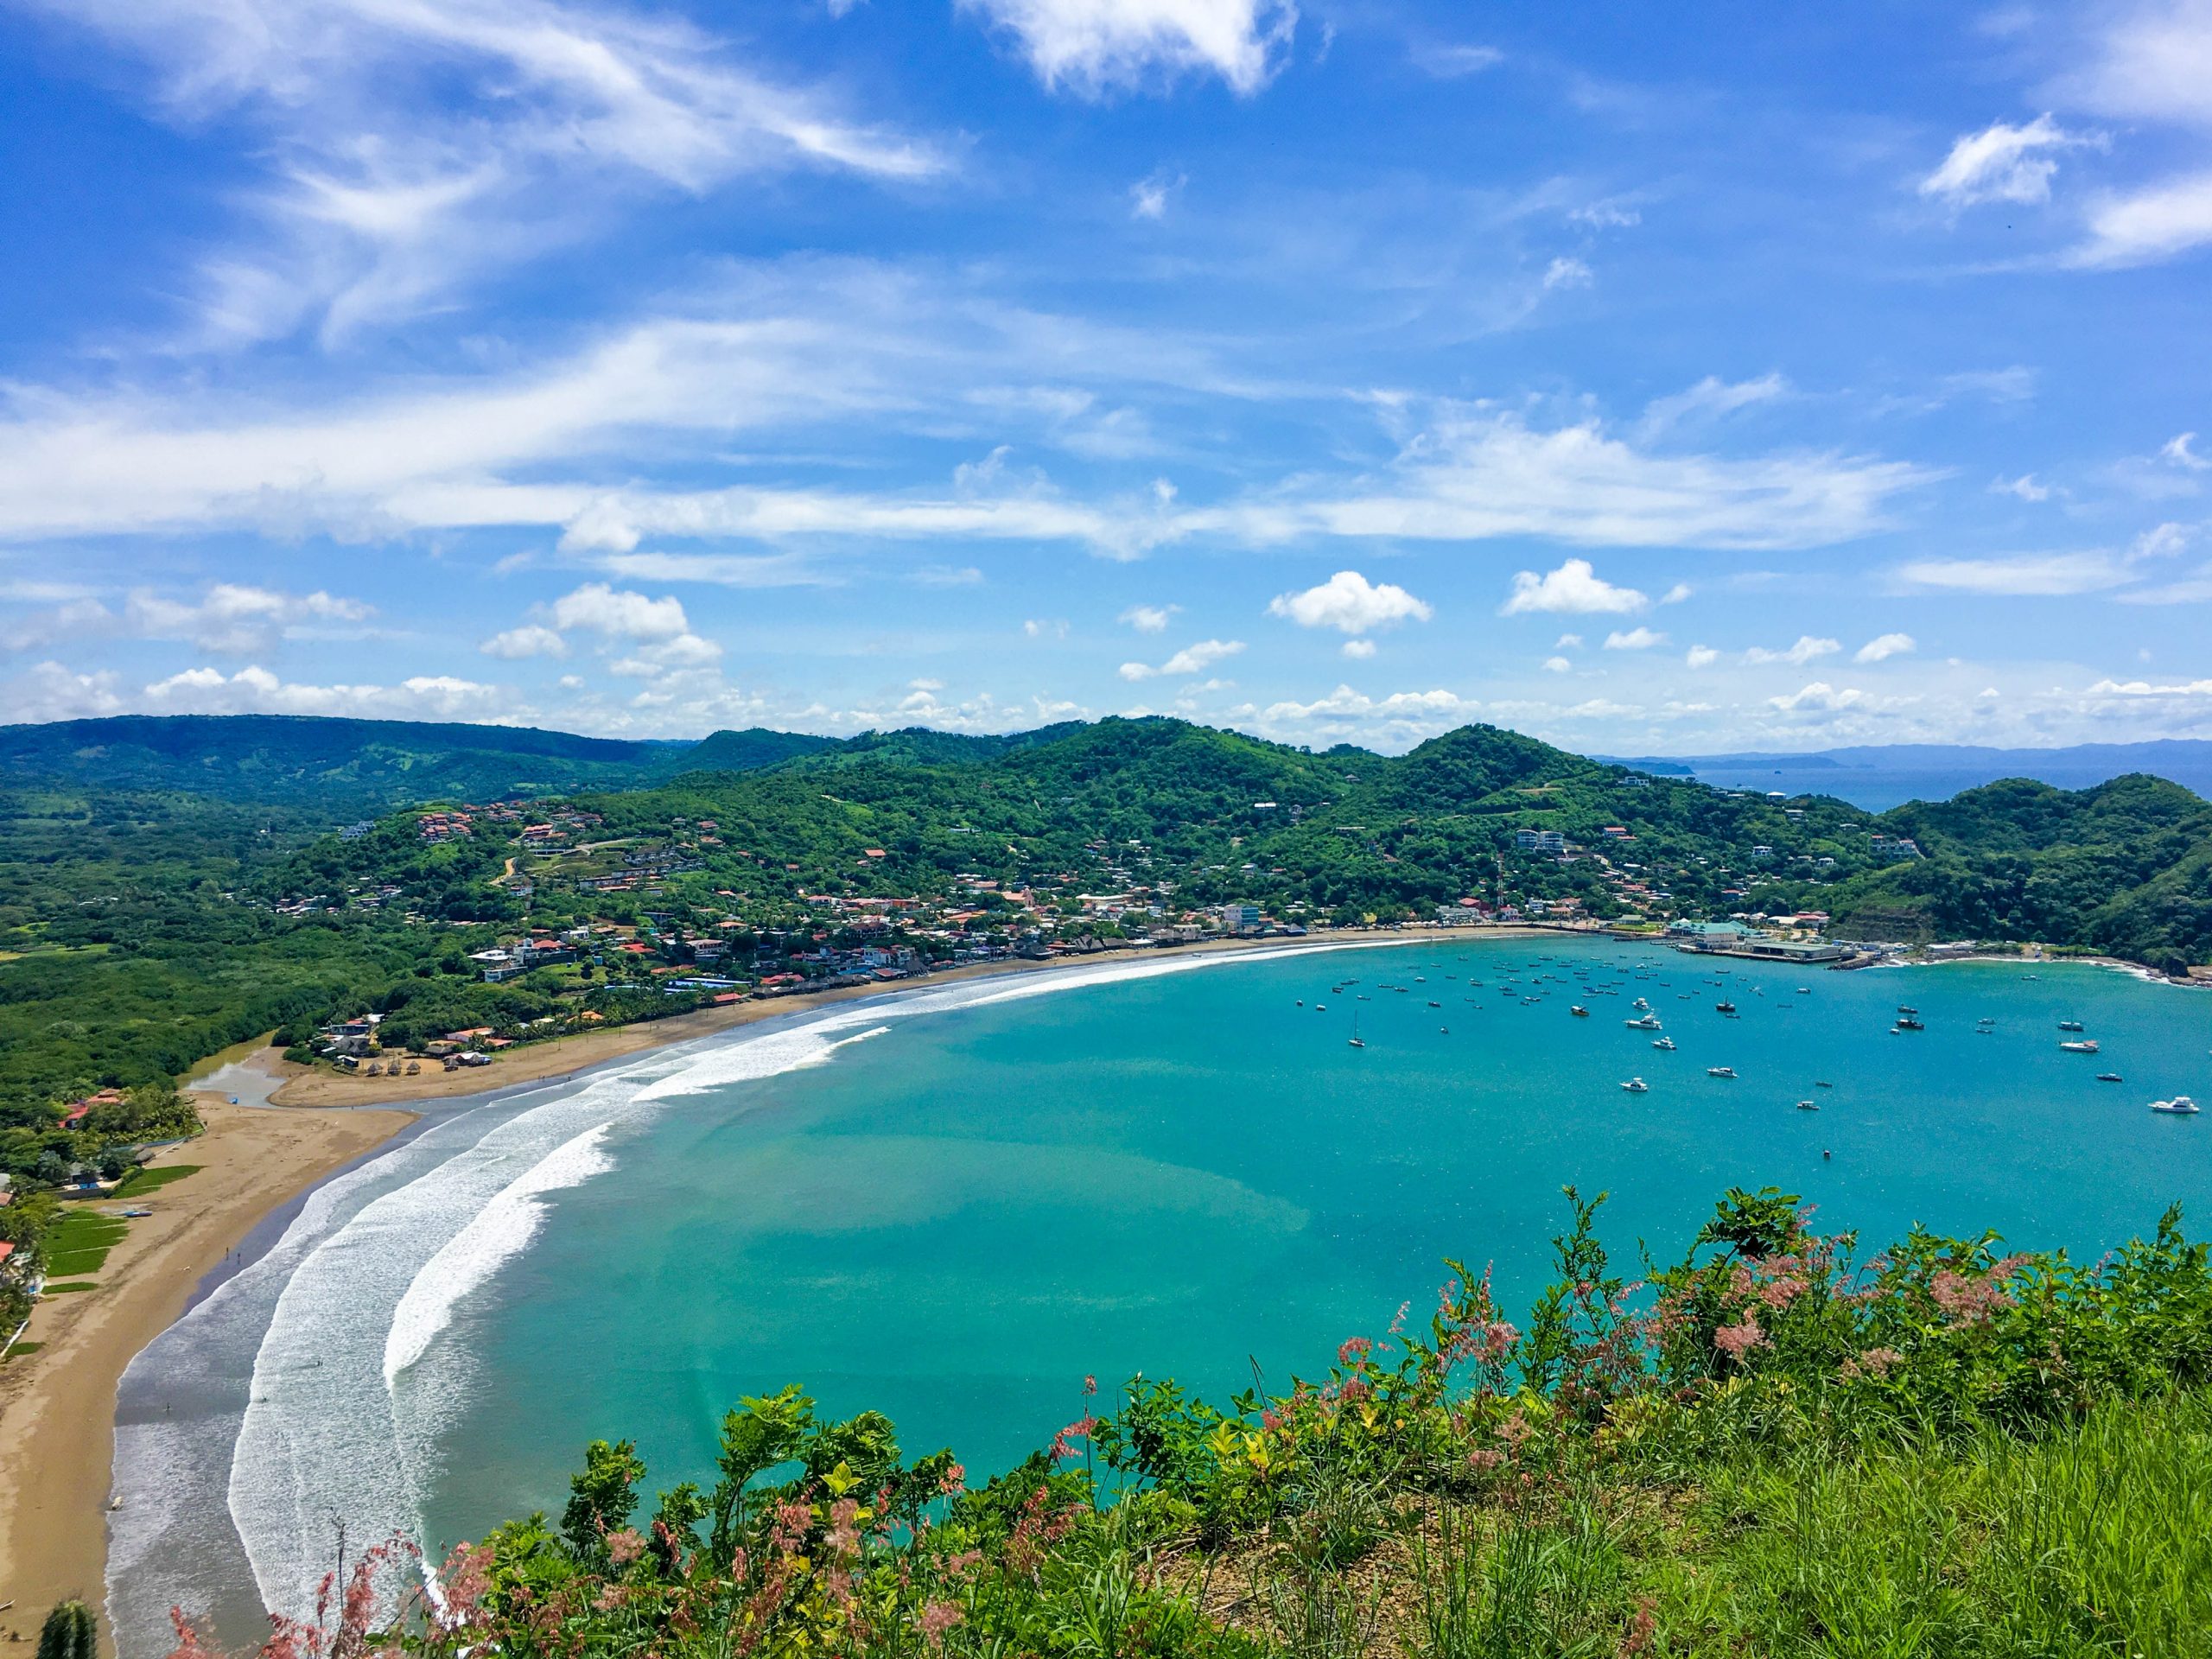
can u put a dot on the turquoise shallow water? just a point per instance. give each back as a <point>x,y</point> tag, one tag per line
<point>956,1220</point>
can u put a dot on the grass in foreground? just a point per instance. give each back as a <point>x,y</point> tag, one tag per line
<point>1766,1449</point>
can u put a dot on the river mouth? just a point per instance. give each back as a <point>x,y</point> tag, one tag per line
<point>955,1219</point>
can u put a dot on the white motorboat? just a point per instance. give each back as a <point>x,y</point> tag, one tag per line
<point>1720,1070</point>
<point>1637,1086</point>
<point>2179,1106</point>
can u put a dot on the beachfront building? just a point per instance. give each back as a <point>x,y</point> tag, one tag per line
<point>1239,918</point>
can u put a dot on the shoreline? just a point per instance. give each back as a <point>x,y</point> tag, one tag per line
<point>561,1057</point>
<point>57,1406</point>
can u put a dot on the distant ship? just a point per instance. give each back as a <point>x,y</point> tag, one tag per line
<point>1720,1070</point>
<point>2069,1025</point>
<point>2179,1106</point>
<point>1637,1086</point>
<point>2088,1047</point>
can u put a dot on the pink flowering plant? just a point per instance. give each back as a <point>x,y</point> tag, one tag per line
<point>820,1538</point>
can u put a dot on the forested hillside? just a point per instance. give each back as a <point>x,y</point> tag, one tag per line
<point>356,765</point>
<point>143,928</point>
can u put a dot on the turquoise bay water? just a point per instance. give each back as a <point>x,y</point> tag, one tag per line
<point>955,1220</point>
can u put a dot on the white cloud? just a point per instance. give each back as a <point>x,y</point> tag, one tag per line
<point>1567,642</point>
<point>1191,660</point>
<point>2150,225</point>
<point>2002,163</point>
<point>947,576</point>
<point>2025,487</point>
<point>1885,646</point>
<point>2144,689</point>
<point>1819,697</point>
<point>1406,715</point>
<point>1196,659</point>
<point>1638,639</point>
<point>1358,650</point>
<point>413,146</point>
<point>1099,46</point>
<point>1148,618</point>
<point>1557,666</point>
<point>620,614</point>
<point>1565,272</point>
<point>1475,474</point>
<point>1677,594</point>
<point>1038,628</point>
<point>1806,650</point>
<point>2178,450</point>
<point>684,653</point>
<point>229,619</point>
<point>1701,657</point>
<point>1148,198</point>
<point>530,640</point>
<point>1574,588</point>
<point>1350,603</point>
<point>255,691</point>
<point>2050,574</point>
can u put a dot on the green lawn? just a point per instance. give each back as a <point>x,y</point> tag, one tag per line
<point>140,1182</point>
<point>79,1242</point>
<point>63,1290</point>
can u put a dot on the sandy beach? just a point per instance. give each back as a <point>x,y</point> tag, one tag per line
<point>57,1406</point>
<point>560,1056</point>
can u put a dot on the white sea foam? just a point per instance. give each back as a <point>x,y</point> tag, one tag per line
<point>345,1409</point>
<point>501,1231</point>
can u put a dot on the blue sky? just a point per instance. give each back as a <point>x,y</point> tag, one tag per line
<point>1774,377</point>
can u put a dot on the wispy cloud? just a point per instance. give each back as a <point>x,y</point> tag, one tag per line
<point>390,187</point>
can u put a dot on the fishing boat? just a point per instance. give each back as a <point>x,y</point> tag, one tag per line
<point>2179,1106</point>
<point>1808,1105</point>
<point>2070,1025</point>
<point>1720,1070</point>
<point>1910,1022</point>
<point>1666,1043</point>
<point>1641,1005</point>
<point>1637,1086</point>
<point>2089,1046</point>
<point>1902,1008</point>
<point>1579,1011</point>
<point>1824,1085</point>
<point>1649,1022</point>
<point>1723,1007</point>
<point>2110,1077</point>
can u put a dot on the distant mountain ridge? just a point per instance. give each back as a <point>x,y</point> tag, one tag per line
<point>1881,776</point>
